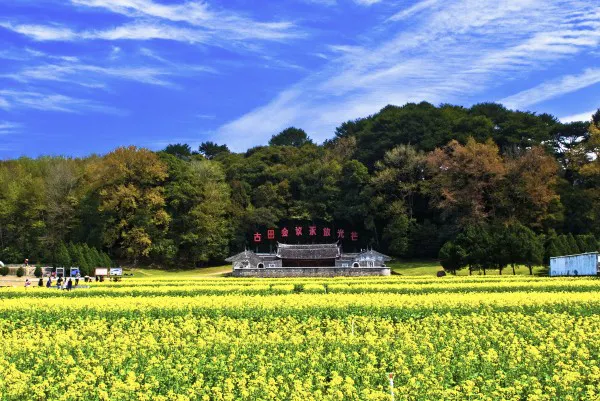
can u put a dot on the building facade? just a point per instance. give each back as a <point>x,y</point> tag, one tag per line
<point>313,260</point>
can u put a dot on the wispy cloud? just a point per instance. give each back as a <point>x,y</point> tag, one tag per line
<point>553,88</point>
<point>53,102</point>
<point>41,32</point>
<point>585,116</point>
<point>87,75</point>
<point>131,31</point>
<point>9,127</point>
<point>412,10</point>
<point>150,20</point>
<point>198,14</point>
<point>452,52</point>
<point>367,2</point>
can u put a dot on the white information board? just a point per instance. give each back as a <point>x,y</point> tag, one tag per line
<point>116,271</point>
<point>101,271</point>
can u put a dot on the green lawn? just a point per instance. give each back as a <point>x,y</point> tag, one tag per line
<point>217,271</point>
<point>404,268</point>
<point>430,268</point>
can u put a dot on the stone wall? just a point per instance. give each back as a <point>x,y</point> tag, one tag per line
<point>313,272</point>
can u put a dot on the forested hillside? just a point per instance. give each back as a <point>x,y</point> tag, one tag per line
<point>409,179</point>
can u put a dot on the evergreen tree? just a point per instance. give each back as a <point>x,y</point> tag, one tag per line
<point>452,257</point>
<point>106,262</point>
<point>564,246</point>
<point>95,259</point>
<point>573,248</point>
<point>63,259</point>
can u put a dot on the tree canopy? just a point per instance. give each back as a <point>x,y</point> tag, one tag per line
<point>413,181</point>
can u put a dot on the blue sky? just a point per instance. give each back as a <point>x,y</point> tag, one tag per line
<point>85,76</point>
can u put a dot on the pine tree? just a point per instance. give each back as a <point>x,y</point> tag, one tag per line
<point>74,254</point>
<point>107,262</point>
<point>96,257</point>
<point>573,247</point>
<point>63,259</point>
<point>563,245</point>
<point>553,247</point>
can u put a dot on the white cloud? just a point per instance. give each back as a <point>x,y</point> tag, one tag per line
<point>552,89</point>
<point>8,127</point>
<point>198,14</point>
<point>74,72</point>
<point>585,116</point>
<point>367,2</point>
<point>414,9</point>
<point>453,52</point>
<point>132,31</point>
<point>53,102</point>
<point>94,76</point>
<point>41,32</point>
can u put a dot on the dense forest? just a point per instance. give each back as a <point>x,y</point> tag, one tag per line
<point>412,180</point>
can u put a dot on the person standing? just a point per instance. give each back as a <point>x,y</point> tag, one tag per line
<point>49,282</point>
<point>69,284</point>
<point>58,282</point>
<point>77,277</point>
<point>41,282</point>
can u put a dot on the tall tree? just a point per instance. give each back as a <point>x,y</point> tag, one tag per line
<point>531,178</point>
<point>129,184</point>
<point>466,183</point>
<point>452,257</point>
<point>400,176</point>
<point>198,198</point>
<point>210,150</point>
<point>290,137</point>
<point>62,188</point>
<point>181,150</point>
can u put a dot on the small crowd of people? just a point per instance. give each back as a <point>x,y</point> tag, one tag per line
<point>61,283</point>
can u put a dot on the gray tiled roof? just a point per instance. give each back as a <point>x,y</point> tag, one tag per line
<point>312,251</point>
<point>246,255</point>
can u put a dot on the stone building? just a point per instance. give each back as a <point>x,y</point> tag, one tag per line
<point>319,260</point>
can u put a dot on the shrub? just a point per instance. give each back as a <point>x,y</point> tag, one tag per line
<point>4,270</point>
<point>20,272</point>
<point>38,272</point>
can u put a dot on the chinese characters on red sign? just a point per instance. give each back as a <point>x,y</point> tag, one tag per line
<point>312,232</point>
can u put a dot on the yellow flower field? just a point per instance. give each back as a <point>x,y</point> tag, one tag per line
<point>304,339</point>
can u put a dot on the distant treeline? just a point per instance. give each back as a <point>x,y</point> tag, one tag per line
<point>409,178</point>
